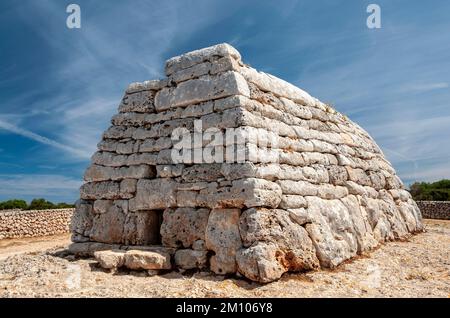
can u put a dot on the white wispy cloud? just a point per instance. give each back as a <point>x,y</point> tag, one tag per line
<point>38,185</point>
<point>41,139</point>
<point>97,65</point>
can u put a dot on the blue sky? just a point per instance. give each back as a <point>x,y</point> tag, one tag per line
<point>60,87</point>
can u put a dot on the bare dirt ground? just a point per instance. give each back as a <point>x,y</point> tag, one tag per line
<point>419,267</point>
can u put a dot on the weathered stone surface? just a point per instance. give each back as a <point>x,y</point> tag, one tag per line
<point>190,259</point>
<point>148,260</point>
<point>183,226</point>
<point>152,145</point>
<point>112,259</point>
<point>100,190</point>
<point>154,194</point>
<point>295,250</point>
<point>270,83</point>
<point>81,222</point>
<point>214,67</point>
<point>101,173</point>
<point>141,102</point>
<point>108,227</point>
<point>87,249</point>
<point>222,237</point>
<point>196,57</point>
<point>242,193</point>
<point>331,230</point>
<point>202,89</point>
<point>146,85</point>
<point>142,228</point>
<point>292,202</point>
<point>259,262</point>
<point>313,187</point>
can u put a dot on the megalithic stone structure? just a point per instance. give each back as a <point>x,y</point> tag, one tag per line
<point>221,166</point>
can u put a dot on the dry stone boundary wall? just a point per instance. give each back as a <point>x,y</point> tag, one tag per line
<point>435,209</point>
<point>19,224</point>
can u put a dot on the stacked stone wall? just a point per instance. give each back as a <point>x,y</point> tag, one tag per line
<point>33,223</point>
<point>435,209</point>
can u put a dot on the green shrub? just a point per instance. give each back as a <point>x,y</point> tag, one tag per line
<point>436,191</point>
<point>13,204</point>
<point>36,204</point>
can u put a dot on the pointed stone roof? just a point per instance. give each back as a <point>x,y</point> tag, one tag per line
<point>220,166</point>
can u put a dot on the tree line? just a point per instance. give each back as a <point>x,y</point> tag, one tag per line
<point>435,191</point>
<point>35,204</point>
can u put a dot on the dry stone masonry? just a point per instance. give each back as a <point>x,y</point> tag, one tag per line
<point>295,186</point>
<point>435,209</point>
<point>20,224</point>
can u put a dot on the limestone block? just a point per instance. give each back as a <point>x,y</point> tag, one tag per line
<point>107,145</point>
<point>277,86</point>
<point>338,174</point>
<point>154,194</point>
<point>243,193</point>
<point>128,187</point>
<point>329,191</point>
<point>259,262</point>
<point>199,56</point>
<point>108,227</point>
<point>190,259</point>
<point>187,199</point>
<point>118,132</point>
<point>302,188</point>
<point>300,216</point>
<point>81,222</point>
<point>141,102</point>
<point>199,245</point>
<point>183,226</point>
<point>102,206</point>
<point>197,110</point>
<point>202,89</point>
<point>154,145</point>
<point>295,249</point>
<point>142,228</point>
<point>128,119</point>
<point>222,237</point>
<point>100,173</point>
<point>380,225</point>
<point>148,260</point>
<point>87,249</point>
<point>359,176</point>
<point>109,159</point>
<point>202,172</point>
<point>127,147</point>
<point>388,207</point>
<point>296,109</point>
<point>217,66</point>
<point>100,190</point>
<point>146,85</point>
<point>292,202</point>
<point>233,171</point>
<point>331,231</point>
<point>362,229</point>
<point>354,188</point>
<point>112,259</point>
<point>141,158</point>
<point>169,171</point>
<point>257,192</point>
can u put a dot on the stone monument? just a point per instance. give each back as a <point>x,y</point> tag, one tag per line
<point>221,167</point>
